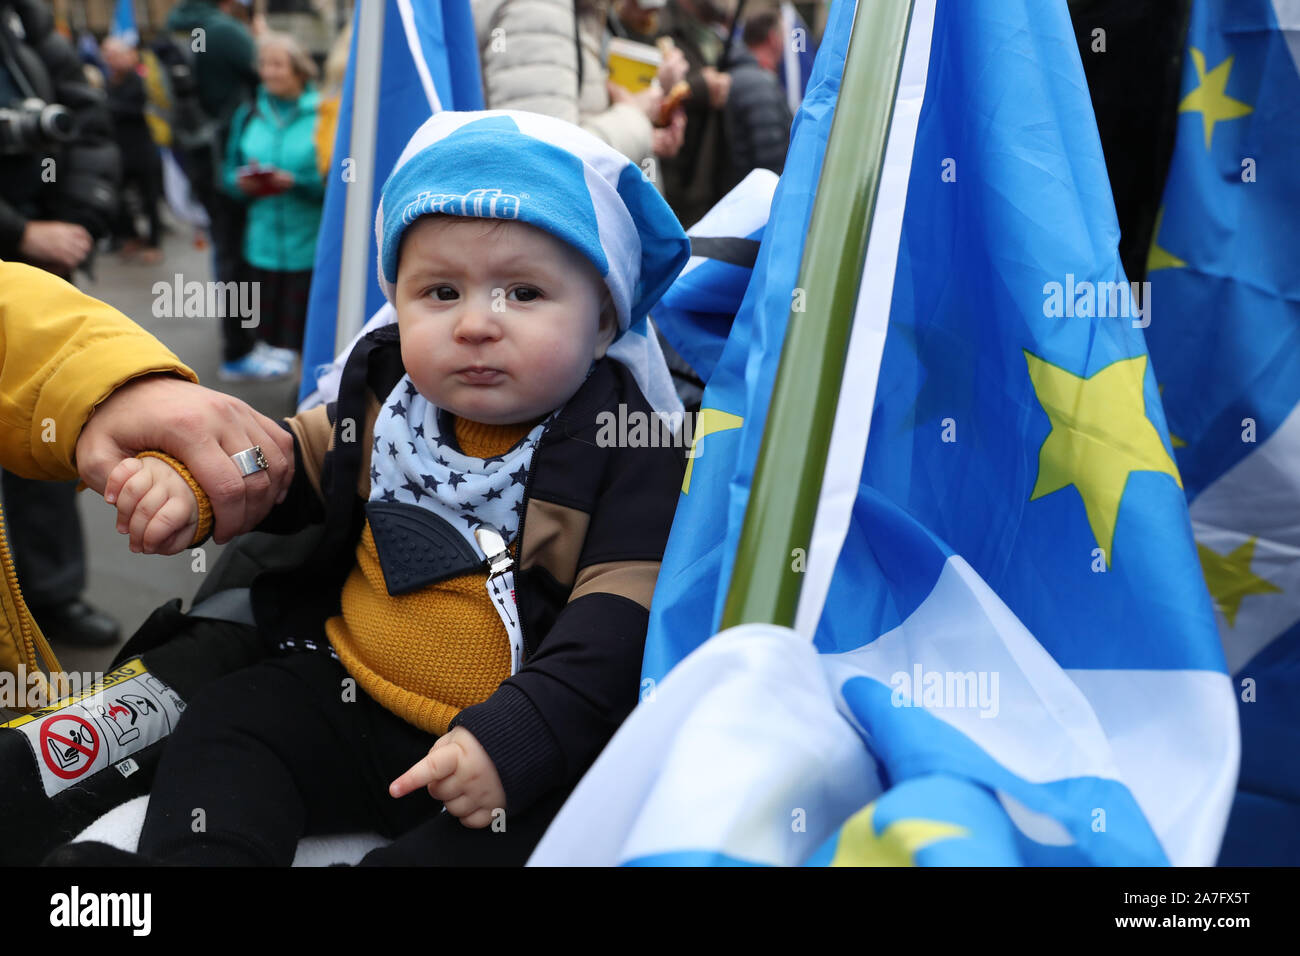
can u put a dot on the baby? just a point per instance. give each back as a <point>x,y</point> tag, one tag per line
<point>488,564</point>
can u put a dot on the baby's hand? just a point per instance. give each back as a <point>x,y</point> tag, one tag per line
<point>154,504</point>
<point>458,772</point>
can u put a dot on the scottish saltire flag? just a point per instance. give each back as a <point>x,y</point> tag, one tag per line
<point>430,63</point>
<point>1224,269</point>
<point>124,22</point>
<point>696,312</point>
<point>1004,650</point>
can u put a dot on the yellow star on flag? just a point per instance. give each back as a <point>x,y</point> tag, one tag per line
<point>1158,258</point>
<point>1229,578</point>
<point>1209,98</point>
<point>709,420</point>
<point>897,845</point>
<point>1100,435</point>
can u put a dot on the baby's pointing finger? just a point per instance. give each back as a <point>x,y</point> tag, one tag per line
<point>453,783</point>
<point>433,768</point>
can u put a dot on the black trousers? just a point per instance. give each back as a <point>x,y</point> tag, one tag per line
<point>142,169</point>
<point>282,304</point>
<point>289,748</point>
<point>45,532</point>
<point>226,217</point>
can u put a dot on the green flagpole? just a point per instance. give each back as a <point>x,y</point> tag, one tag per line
<point>788,476</point>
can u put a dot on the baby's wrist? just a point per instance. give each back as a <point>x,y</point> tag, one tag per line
<point>205,505</point>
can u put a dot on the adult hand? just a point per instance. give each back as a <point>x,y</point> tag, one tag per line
<point>649,100</point>
<point>281,181</point>
<point>673,67</point>
<point>668,139</point>
<point>719,85</point>
<point>62,244</point>
<point>203,429</point>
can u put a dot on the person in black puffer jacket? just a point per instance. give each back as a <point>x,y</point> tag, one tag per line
<point>42,204</point>
<point>757,116</point>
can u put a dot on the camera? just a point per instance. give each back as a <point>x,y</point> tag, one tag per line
<point>34,125</point>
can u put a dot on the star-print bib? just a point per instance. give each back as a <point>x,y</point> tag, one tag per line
<point>427,498</point>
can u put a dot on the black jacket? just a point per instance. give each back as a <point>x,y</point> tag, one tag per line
<point>127,102</point>
<point>41,63</point>
<point>695,179</point>
<point>757,119</point>
<point>593,532</point>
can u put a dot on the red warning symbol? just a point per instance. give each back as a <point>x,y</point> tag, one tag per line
<point>69,745</point>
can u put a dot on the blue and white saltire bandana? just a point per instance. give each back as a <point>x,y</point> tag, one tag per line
<point>511,164</point>
<point>414,460</point>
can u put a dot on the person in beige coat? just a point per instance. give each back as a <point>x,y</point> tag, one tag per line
<point>529,51</point>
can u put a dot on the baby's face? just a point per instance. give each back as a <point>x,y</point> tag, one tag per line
<point>500,321</point>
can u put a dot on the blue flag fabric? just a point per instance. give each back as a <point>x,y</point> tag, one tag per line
<point>124,22</point>
<point>431,41</point>
<point>1016,633</point>
<point>1225,344</point>
<point>696,312</point>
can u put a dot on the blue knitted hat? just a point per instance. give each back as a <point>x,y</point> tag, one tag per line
<point>510,164</point>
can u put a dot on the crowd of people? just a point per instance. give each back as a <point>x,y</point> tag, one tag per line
<point>731,115</point>
<point>271,129</point>
<point>253,164</point>
<point>86,132</point>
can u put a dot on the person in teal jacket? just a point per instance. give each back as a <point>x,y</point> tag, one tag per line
<point>271,164</point>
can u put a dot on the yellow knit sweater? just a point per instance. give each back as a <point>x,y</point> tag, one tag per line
<point>425,656</point>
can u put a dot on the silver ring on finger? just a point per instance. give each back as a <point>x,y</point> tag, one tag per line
<point>250,460</point>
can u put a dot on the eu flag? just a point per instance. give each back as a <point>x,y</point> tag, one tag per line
<point>1225,344</point>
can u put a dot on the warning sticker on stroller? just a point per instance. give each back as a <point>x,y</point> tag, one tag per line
<point>117,716</point>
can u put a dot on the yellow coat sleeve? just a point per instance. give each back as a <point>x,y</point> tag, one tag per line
<point>61,354</point>
<point>327,122</point>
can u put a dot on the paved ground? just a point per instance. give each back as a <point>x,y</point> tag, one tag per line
<point>129,586</point>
